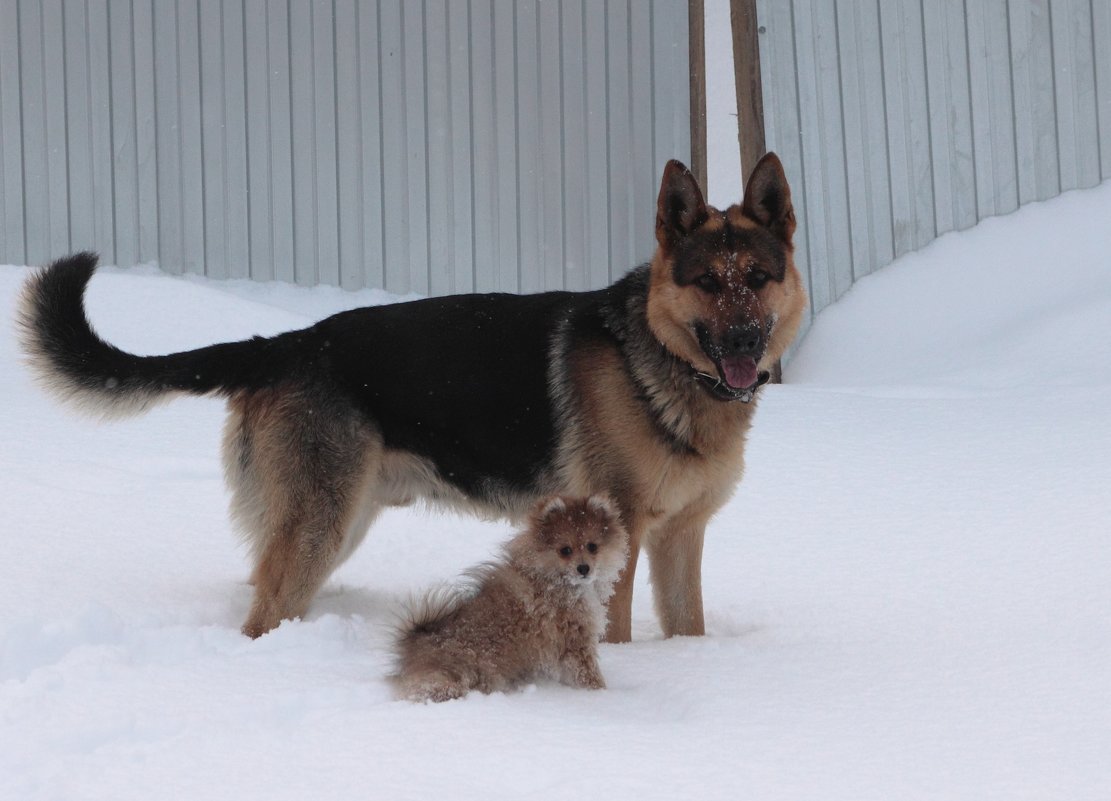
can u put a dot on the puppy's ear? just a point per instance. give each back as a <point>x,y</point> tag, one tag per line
<point>603,504</point>
<point>543,511</point>
<point>768,198</point>
<point>550,506</point>
<point>680,208</point>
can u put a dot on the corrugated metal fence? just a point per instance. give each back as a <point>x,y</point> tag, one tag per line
<point>430,146</point>
<point>899,120</point>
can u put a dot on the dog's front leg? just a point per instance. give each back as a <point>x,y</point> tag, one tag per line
<point>675,563</point>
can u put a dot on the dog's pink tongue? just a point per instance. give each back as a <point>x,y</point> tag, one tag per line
<point>740,371</point>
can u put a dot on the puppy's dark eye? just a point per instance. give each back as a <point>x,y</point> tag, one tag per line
<point>590,546</point>
<point>757,278</point>
<point>707,283</point>
<point>565,550</point>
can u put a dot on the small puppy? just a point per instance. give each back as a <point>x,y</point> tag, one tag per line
<point>537,612</point>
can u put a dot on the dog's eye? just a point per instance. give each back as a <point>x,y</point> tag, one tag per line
<point>590,546</point>
<point>757,278</point>
<point>565,550</point>
<point>707,283</point>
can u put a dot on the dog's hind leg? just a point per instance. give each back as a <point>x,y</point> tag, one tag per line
<point>298,470</point>
<point>675,565</point>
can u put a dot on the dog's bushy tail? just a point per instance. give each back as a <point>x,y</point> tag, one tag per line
<point>83,370</point>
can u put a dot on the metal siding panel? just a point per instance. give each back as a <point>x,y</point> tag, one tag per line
<point>550,143</point>
<point>370,101</point>
<point>1035,120</point>
<point>908,125</point>
<point>191,141</point>
<point>259,188</point>
<point>671,76</point>
<point>283,223</point>
<point>619,110</point>
<point>815,233</point>
<point>642,208</point>
<point>280,140</point>
<point>991,99</point>
<point>77,126</point>
<point>1101,35</point>
<point>918,122</point>
<point>13,246</point>
<point>168,148</point>
<point>823,147</point>
<point>124,131</point>
<point>782,125</point>
<point>485,177</point>
<point>349,156</point>
<point>37,212</point>
<point>56,140</point>
<point>668,77</point>
<point>303,142</point>
<point>394,148</point>
<point>529,154</point>
<point>867,178</point>
<point>324,167</point>
<point>416,146</point>
<point>146,130</point>
<point>237,243</point>
<point>950,115</point>
<point>461,142</point>
<point>213,168</point>
<point>1075,93</point>
<point>597,200</point>
<point>100,136</point>
<point>441,224</point>
<point>576,178</point>
<point>507,226</point>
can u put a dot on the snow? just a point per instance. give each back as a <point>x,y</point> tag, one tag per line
<point>907,598</point>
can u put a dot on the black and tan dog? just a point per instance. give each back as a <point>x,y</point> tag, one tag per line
<point>641,390</point>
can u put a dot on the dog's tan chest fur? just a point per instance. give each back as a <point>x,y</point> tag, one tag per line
<point>619,444</point>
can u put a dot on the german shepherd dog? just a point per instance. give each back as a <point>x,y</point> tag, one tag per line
<point>642,391</point>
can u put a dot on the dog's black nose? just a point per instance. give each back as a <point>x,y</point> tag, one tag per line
<point>742,340</point>
<point>584,569</point>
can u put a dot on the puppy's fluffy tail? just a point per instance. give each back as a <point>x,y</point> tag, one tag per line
<point>83,370</point>
<point>419,671</point>
<point>427,613</point>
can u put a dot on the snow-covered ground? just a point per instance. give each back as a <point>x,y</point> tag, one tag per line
<point>909,597</point>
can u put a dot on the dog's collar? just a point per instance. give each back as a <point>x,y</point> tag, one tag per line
<point>722,391</point>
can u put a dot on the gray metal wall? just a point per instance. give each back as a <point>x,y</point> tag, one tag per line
<point>899,120</point>
<point>430,146</point>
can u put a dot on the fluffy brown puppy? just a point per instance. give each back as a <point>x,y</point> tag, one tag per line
<point>536,613</point>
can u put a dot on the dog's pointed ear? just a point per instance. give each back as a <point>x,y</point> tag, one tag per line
<point>768,198</point>
<point>680,208</point>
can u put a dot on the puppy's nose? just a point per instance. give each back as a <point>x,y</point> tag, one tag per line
<point>584,569</point>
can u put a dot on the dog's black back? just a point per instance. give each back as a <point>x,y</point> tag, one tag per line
<point>463,380</point>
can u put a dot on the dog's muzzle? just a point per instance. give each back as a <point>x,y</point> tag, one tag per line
<point>735,355</point>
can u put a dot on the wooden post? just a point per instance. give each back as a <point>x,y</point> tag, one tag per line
<point>750,93</point>
<point>750,97</point>
<point>697,56</point>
